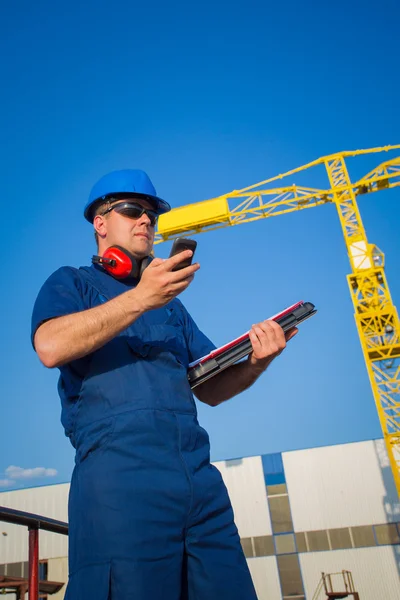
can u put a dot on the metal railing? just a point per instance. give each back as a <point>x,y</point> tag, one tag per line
<point>33,523</point>
<point>326,584</point>
<point>347,581</point>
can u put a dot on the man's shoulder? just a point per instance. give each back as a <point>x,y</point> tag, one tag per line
<point>66,275</point>
<point>65,270</point>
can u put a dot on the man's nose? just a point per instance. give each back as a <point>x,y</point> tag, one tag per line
<point>144,218</point>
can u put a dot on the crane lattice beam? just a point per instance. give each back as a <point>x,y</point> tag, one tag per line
<point>258,202</point>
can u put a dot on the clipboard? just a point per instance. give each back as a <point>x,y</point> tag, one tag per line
<point>216,361</point>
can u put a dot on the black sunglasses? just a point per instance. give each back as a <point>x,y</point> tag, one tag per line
<point>133,211</point>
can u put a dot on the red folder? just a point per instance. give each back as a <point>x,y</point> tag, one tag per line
<point>206,367</point>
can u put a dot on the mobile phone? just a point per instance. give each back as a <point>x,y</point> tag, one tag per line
<point>179,245</point>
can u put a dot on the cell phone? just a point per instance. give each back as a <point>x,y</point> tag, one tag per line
<point>179,245</point>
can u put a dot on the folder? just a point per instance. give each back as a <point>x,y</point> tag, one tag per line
<point>216,361</point>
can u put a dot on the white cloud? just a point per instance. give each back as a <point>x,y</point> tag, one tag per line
<point>6,482</point>
<point>13,472</point>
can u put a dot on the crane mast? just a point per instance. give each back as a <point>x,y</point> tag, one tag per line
<point>376,316</point>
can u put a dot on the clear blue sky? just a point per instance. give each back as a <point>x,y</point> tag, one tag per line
<point>207,97</point>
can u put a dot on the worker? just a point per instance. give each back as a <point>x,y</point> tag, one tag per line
<point>149,516</point>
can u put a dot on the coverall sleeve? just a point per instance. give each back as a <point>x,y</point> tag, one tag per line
<point>197,342</point>
<point>60,295</point>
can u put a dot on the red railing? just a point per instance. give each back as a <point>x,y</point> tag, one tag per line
<point>33,523</point>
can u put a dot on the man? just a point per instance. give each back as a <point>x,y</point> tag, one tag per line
<point>150,518</point>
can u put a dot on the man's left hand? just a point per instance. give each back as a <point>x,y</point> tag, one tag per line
<point>268,340</point>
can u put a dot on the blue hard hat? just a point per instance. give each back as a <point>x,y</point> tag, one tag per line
<point>129,182</point>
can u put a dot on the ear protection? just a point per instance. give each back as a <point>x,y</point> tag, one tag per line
<point>121,264</point>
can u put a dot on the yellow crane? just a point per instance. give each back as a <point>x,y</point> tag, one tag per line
<point>375,315</point>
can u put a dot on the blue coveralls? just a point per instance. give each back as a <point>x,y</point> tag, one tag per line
<point>149,516</point>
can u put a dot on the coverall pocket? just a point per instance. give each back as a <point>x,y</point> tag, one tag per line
<point>157,338</point>
<point>93,439</point>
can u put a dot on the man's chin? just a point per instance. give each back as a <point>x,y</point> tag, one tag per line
<point>141,250</point>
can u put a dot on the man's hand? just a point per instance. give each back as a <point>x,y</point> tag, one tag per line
<point>268,340</point>
<point>159,283</point>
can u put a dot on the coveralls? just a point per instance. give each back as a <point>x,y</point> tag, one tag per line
<point>149,516</point>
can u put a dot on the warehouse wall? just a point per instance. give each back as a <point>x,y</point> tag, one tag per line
<point>58,571</point>
<point>339,486</point>
<point>244,479</point>
<point>50,501</point>
<point>264,572</point>
<point>340,501</point>
<point>298,514</point>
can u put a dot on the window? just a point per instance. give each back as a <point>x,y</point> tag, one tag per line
<point>247,547</point>
<point>301,542</point>
<point>387,534</point>
<point>2,569</point>
<point>284,544</point>
<point>290,575</point>
<point>363,536</point>
<point>287,542</point>
<point>25,569</point>
<point>264,545</point>
<point>317,540</point>
<point>281,518</point>
<point>14,569</point>
<point>279,488</point>
<point>340,538</point>
<point>43,570</point>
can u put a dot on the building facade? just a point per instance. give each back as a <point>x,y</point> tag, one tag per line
<point>299,514</point>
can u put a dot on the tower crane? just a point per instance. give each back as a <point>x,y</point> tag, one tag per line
<point>376,316</point>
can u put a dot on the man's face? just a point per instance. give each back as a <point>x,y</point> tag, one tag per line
<point>136,235</point>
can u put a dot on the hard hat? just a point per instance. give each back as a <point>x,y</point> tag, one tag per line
<point>130,183</point>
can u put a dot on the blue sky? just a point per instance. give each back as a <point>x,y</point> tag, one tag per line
<point>206,97</point>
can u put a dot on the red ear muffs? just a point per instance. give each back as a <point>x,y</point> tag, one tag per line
<point>121,264</point>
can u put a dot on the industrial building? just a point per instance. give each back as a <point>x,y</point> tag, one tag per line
<point>331,510</point>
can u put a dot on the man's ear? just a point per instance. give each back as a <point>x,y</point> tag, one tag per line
<point>100,225</point>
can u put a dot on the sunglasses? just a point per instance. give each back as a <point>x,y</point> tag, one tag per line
<point>133,211</point>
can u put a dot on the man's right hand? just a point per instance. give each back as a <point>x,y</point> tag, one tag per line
<point>67,338</point>
<point>159,284</point>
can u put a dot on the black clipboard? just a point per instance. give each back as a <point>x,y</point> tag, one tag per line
<point>206,367</point>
